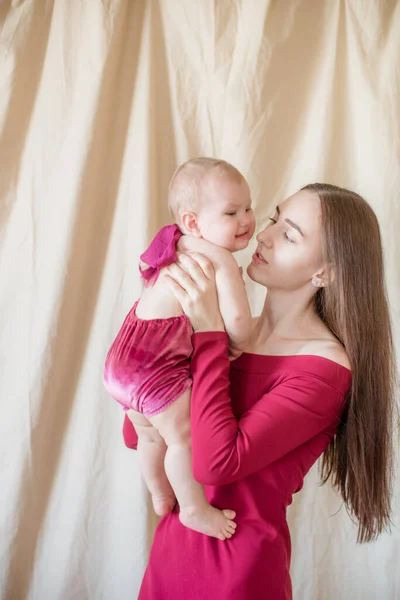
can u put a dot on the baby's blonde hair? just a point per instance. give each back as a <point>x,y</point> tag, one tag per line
<point>185,191</point>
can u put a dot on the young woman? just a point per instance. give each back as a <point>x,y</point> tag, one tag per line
<point>316,378</point>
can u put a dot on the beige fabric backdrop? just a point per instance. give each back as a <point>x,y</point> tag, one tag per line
<point>100,100</point>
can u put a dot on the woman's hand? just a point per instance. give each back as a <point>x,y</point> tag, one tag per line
<point>192,281</point>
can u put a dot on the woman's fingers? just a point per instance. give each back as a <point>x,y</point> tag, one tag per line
<point>181,276</point>
<point>192,281</point>
<point>177,290</point>
<point>198,266</point>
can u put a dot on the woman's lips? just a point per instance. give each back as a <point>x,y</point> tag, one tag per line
<point>257,258</point>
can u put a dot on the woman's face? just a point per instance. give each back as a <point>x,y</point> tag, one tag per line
<point>289,248</point>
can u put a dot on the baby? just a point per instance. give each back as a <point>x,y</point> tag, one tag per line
<point>147,368</point>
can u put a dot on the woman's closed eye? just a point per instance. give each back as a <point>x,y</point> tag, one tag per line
<point>285,235</point>
<point>287,238</point>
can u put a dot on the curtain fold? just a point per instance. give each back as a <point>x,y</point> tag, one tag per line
<point>99,102</point>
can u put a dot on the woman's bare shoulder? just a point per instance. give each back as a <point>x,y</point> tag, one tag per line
<point>329,348</point>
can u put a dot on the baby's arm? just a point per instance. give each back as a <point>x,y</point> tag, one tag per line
<point>233,302</point>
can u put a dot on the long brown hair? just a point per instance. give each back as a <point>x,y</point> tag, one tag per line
<point>355,308</point>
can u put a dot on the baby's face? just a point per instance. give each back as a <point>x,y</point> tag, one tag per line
<point>226,217</point>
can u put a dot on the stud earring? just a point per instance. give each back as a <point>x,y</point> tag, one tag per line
<point>315,283</point>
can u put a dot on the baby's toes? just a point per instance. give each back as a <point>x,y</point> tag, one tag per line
<point>229,514</point>
<point>231,528</point>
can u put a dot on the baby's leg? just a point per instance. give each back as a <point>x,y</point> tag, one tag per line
<point>174,425</point>
<point>151,452</point>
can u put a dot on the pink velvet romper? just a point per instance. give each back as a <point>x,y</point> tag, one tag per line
<point>148,364</point>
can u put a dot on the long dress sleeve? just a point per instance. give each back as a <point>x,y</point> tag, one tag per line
<point>299,407</point>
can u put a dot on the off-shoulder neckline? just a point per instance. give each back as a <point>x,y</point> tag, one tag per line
<point>282,357</point>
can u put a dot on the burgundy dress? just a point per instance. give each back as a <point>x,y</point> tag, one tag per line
<point>258,425</point>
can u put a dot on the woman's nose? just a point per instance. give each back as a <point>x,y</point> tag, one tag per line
<point>264,237</point>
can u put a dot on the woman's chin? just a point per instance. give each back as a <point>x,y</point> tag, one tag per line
<point>252,272</point>
<point>255,275</point>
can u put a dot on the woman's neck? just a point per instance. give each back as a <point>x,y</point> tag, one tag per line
<point>287,315</point>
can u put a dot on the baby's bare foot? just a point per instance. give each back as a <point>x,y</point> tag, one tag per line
<point>210,521</point>
<point>163,505</point>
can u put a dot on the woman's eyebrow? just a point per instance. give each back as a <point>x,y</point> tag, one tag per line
<point>290,222</point>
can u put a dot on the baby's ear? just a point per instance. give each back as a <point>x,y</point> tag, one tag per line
<point>190,224</point>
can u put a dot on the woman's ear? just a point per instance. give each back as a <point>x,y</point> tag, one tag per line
<point>190,224</point>
<point>317,281</point>
<point>323,277</point>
